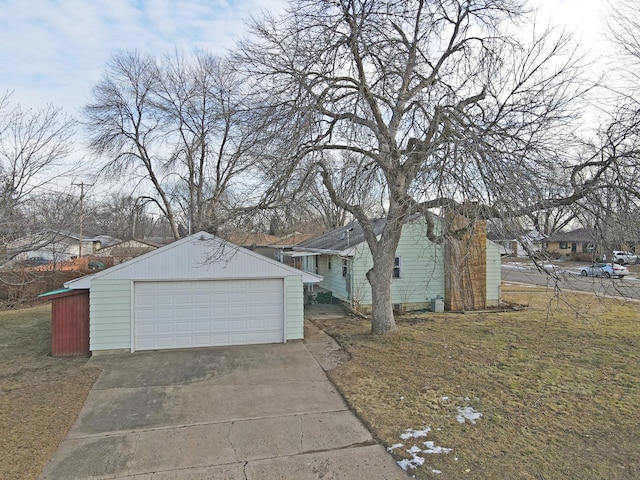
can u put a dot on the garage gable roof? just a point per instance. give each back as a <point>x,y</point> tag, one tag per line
<point>201,256</point>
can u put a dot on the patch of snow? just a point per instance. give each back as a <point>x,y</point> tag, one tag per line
<point>432,448</point>
<point>411,433</point>
<point>445,398</point>
<point>433,470</point>
<point>467,413</point>
<point>414,462</point>
<point>413,450</point>
<point>394,446</point>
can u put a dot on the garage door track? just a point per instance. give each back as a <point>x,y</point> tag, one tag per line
<point>232,413</point>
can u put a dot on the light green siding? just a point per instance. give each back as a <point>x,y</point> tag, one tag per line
<point>110,311</point>
<point>422,271</point>
<point>332,278</point>
<point>493,274</point>
<point>293,308</point>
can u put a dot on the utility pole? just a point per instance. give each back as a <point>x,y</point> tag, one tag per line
<point>81,185</point>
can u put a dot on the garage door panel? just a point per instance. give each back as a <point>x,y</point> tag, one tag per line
<point>183,327</point>
<point>208,313</point>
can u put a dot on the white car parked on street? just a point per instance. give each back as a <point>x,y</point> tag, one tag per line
<point>606,270</point>
<point>623,257</point>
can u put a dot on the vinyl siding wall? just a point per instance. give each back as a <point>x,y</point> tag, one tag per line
<point>293,308</point>
<point>493,274</point>
<point>110,307</point>
<point>422,271</point>
<point>332,278</point>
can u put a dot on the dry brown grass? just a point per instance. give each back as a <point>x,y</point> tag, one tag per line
<point>558,385</point>
<point>40,396</point>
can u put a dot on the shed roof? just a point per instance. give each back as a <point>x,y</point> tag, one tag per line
<point>197,257</point>
<point>59,293</point>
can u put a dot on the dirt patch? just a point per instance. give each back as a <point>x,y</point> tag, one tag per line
<point>556,386</point>
<point>40,396</point>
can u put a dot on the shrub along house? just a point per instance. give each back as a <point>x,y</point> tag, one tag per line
<point>196,292</point>
<point>424,272</point>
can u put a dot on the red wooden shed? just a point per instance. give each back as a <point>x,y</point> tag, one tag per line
<point>69,321</point>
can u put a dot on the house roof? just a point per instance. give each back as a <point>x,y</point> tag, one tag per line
<point>579,235</point>
<point>199,256</point>
<point>252,239</point>
<point>342,238</point>
<point>292,240</point>
<point>143,243</point>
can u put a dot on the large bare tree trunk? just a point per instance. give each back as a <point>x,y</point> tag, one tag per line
<point>380,279</point>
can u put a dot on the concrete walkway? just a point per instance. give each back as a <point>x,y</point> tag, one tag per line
<point>232,413</point>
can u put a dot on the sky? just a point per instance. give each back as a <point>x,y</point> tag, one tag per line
<point>54,50</point>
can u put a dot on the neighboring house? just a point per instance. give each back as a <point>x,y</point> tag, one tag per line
<point>517,245</point>
<point>126,250</point>
<point>255,241</point>
<point>196,292</point>
<point>576,242</point>
<point>56,247</point>
<point>421,274</point>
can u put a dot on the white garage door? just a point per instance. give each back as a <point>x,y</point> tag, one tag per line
<point>186,314</point>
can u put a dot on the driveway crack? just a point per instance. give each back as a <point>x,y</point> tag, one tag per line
<point>132,460</point>
<point>301,433</point>
<point>231,443</point>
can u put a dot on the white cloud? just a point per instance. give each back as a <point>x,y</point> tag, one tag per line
<point>54,51</point>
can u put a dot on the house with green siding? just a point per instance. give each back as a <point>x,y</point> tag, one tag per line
<point>342,257</point>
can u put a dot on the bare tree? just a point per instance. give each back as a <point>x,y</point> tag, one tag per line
<point>34,148</point>
<point>182,124</point>
<point>127,128</point>
<point>442,103</point>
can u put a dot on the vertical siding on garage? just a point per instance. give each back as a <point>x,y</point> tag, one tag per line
<point>293,308</point>
<point>110,305</point>
<point>493,274</point>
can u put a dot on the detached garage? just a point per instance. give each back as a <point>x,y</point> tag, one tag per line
<point>197,292</point>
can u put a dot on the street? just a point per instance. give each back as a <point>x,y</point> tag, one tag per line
<point>570,279</point>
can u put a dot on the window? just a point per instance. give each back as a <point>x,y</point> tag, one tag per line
<point>397,267</point>
<point>563,245</point>
<point>345,267</point>
<point>328,263</point>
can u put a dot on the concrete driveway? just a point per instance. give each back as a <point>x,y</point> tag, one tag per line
<point>232,413</point>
